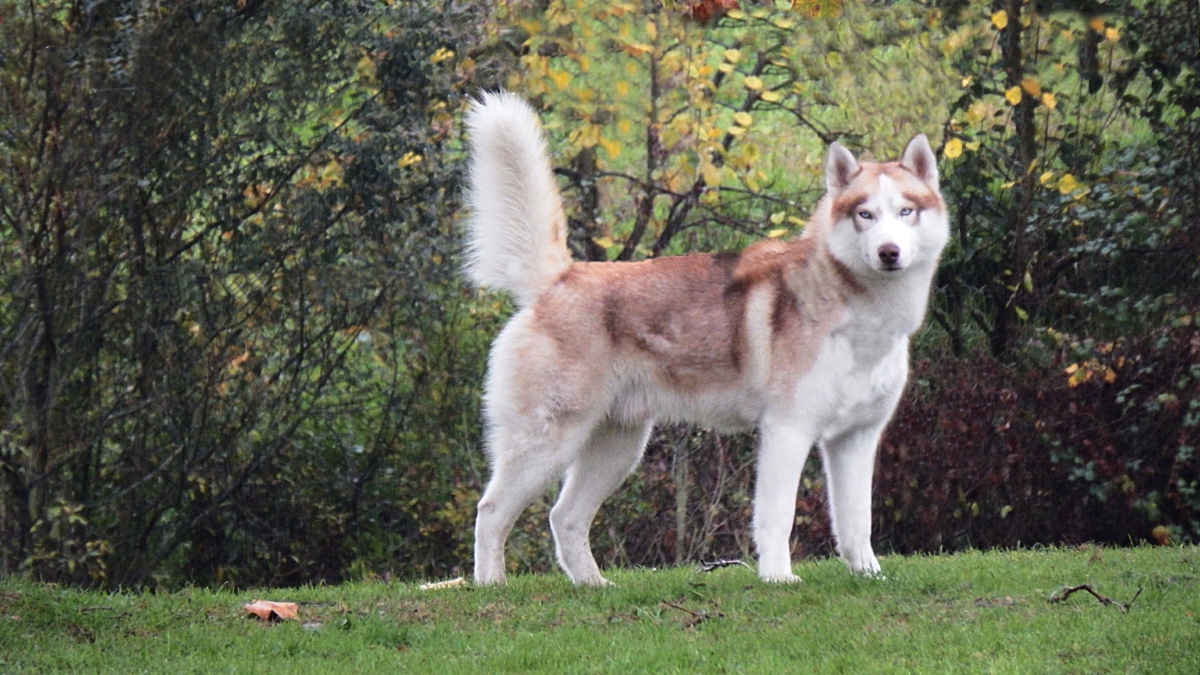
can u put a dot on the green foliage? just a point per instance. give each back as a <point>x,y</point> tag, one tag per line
<point>954,613</point>
<point>225,228</point>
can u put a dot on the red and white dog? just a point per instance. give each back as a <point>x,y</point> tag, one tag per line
<point>807,340</point>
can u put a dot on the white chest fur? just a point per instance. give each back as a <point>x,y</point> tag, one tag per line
<point>862,367</point>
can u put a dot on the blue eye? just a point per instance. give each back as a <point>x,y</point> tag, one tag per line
<point>865,215</point>
<point>905,212</point>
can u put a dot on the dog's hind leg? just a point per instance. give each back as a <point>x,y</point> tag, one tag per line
<point>524,466</point>
<point>849,461</point>
<point>606,459</point>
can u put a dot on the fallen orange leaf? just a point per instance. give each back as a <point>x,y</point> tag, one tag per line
<point>274,611</point>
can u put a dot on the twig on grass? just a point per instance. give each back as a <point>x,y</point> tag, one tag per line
<point>1066,591</point>
<point>710,566</point>
<point>696,617</point>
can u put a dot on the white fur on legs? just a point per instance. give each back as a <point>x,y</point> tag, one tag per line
<point>524,465</point>
<point>782,452</point>
<point>849,462</point>
<point>602,464</point>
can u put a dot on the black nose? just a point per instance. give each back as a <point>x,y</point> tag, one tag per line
<point>889,254</point>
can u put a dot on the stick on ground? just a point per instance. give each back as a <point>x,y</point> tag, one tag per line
<point>1066,591</point>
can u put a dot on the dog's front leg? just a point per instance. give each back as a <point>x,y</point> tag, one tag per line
<point>783,449</point>
<point>849,461</point>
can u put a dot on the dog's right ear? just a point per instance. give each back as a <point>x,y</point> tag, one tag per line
<point>840,167</point>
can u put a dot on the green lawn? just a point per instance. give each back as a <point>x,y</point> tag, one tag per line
<point>972,612</point>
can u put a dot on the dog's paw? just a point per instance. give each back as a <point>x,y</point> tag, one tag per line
<point>864,565</point>
<point>594,582</point>
<point>788,578</point>
<point>875,575</point>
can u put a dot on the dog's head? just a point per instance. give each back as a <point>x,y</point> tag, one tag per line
<point>886,217</point>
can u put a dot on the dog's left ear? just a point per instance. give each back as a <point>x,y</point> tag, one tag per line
<point>919,158</point>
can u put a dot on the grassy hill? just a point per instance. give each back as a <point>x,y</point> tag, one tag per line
<point>971,612</point>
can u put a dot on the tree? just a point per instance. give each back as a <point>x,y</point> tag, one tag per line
<point>215,216</point>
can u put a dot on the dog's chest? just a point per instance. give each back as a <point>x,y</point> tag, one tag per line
<point>856,380</point>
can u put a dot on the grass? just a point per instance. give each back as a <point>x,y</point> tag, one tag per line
<point>971,612</point>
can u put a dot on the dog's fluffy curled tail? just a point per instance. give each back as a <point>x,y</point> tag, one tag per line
<point>517,235</point>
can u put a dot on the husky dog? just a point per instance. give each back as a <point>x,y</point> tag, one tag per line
<point>807,340</point>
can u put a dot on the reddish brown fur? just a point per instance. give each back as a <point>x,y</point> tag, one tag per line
<point>684,318</point>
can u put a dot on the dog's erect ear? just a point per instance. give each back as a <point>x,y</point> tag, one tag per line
<point>840,167</point>
<point>918,158</point>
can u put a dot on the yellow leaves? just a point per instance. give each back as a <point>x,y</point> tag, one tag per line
<point>561,78</point>
<point>622,88</point>
<point>329,175</point>
<point>1031,86</point>
<point>408,160</point>
<point>753,83</point>
<point>441,55</point>
<point>1049,101</point>
<point>833,59</point>
<point>777,218</point>
<point>953,148</point>
<point>733,55</point>
<point>559,16</point>
<point>1067,184</point>
<point>777,233</point>
<point>651,30</point>
<point>365,68</point>
<point>752,180</point>
<point>1078,373</point>
<point>1000,20</point>
<point>710,173</point>
<point>611,147</point>
<point>585,136</point>
<point>1110,33</point>
<point>743,119</point>
<point>976,113</point>
<point>1013,95</point>
<point>771,96</point>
